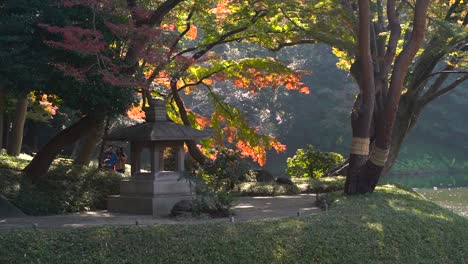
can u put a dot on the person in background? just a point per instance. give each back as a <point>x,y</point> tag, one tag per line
<point>110,158</point>
<point>121,160</point>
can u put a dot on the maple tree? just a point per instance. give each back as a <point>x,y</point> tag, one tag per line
<point>160,46</point>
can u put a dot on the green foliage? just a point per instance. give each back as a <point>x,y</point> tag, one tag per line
<point>68,189</point>
<point>23,54</point>
<point>267,189</point>
<point>312,163</point>
<point>388,226</point>
<point>216,204</point>
<point>215,182</point>
<point>228,169</point>
<point>427,162</point>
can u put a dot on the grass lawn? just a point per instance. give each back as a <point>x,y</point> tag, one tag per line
<point>390,226</point>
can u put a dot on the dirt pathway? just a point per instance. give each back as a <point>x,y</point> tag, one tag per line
<point>245,209</point>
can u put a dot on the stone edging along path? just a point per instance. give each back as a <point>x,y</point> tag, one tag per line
<point>245,209</point>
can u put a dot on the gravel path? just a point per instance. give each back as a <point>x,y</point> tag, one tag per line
<point>245,209</point>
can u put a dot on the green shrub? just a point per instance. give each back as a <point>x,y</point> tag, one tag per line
<point>228,169</point>
<point>68,189</point>
<point>215,182</point>
<point>312,163</point>
<point>9,182</point>
<point>207,201</point>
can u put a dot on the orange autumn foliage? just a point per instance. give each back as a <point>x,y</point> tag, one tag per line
<point>136,113</point>
<point>257,153</point>
<point>221,10</point>
<point>48,106</point>
<point>202,121</point>
<point>193,32</point>
<point>255,80</point>
<point>164,79</point>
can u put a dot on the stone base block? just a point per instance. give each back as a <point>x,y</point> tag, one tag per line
<point>130,204</point>
<point>171,187</point>
<point>136,188</point>
<point>162,205</point>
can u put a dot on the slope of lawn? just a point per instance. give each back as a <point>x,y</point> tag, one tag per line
<point>390,226</point>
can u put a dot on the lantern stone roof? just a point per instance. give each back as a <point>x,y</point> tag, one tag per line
<point>156,128</point>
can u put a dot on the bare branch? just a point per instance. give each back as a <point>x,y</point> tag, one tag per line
<point>452,9</point>
<point>216,100</point>
<point>159,14</point>
<point>445,90</point>
<point>201,79</point>
<point>293,43</point>
<point>179,37</point>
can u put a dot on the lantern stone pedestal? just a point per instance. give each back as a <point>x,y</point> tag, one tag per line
<point>157,191</point>
<point>156,197</point>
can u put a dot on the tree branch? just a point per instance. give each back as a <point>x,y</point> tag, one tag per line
<point>395,34</point>
<point>158,15</point>
<point>400,71</point>
<point>452,9</point>
<point>179,37</point>
<point>293,43</point>
<point>201,79</point>
<point>364,109</point>
<point>380,40</point>
<point>429,97</point>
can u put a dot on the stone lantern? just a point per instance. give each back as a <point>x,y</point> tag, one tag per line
<point>156,191</point>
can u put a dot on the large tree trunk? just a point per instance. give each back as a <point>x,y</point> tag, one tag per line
<point>6,130</point>
<point>361,116</point>
<point>16,135</point>
<point>107,125</point>
<point>39,165</point>
<point>367,161</point>
<point>2,117</point>
<point>89,143</point>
